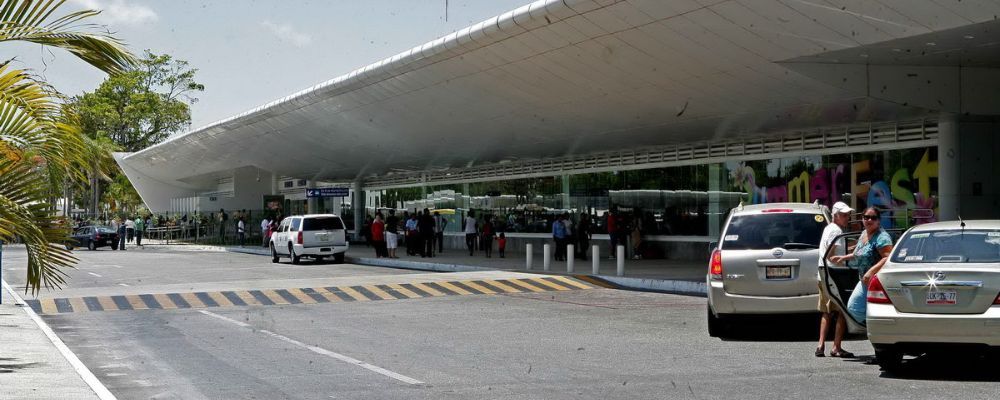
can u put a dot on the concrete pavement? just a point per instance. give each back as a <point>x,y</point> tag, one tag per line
<point>31,365</point>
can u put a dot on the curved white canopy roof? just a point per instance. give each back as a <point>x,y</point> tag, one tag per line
<point>559,77</point>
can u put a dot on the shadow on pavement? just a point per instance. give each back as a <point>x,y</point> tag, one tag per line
<point>962,367</point>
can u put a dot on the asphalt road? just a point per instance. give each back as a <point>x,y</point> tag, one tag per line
<point>538,344</point>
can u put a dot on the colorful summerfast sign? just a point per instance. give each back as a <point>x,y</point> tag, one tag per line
<point>900,183</point>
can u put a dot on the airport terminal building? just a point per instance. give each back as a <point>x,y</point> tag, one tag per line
<point>669,111</point>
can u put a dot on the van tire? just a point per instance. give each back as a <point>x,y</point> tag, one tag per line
<point>274,254</point>
<point>716,326</point>
<point>338,258</point>
<point>291,253</point>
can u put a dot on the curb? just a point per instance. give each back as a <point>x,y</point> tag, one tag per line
<point>668,286</point>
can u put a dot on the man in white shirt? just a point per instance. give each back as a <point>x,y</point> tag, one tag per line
<point>470,232</point>
<point>841,216</point>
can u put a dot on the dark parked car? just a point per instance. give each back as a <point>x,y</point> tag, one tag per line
<point>92,237</point>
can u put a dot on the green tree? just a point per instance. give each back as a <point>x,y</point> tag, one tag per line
<point>41,144</point>
<point>142,106</point>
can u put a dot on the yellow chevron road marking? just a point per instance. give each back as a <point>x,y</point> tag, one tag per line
<point>379,292</point>
<point>304,298</point>
<point>548,284</point>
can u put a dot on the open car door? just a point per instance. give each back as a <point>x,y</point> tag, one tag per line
<point>840,280</point>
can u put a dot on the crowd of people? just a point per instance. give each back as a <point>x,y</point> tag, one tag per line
<point>421,232</point>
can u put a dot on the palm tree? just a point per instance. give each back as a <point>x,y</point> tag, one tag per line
<point>41,146</point>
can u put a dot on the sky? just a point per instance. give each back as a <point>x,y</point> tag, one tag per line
<point>251,52</point>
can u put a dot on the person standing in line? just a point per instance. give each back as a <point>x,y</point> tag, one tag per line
<point>121,236</point>
<point>828,247</point>
<point>636,236</point>
<point>427,233</point>
<point>612,224</point>
<point>501,244</point>
<point>411,235</point>
<point>487,236</point>
<point>559,236</point>
<point>391,234</point>
<point>439,224</point>
<point>366,231</point>
<point>140,229</point>
<point>583,236</point>
<point>470,232</point>
<point>265,231</point>
<point>378,236</point>
<point>221,220</point>
<point>241,230</point>
<point>129,229</point>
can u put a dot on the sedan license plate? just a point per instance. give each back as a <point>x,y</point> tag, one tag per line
<point>942,298</point>
<point>776,272</point>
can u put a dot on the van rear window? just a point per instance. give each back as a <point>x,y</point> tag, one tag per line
<point>322,224</point>
<point>767,231</point>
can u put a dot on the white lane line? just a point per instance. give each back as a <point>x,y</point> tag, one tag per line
<point>319,350</point>
<point>123,284</point>
<point>95,384</point>
<point>94,274</point>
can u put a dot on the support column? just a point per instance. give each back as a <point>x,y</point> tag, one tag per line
<point>312,203</point>
<point>714,208</point>
<point>949,177</point>
<point>565,192</point>
<point>358,202</point>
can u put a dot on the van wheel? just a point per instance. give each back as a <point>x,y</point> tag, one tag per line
<point>888,358</point>
<point>338,258</point>
<point>291,253</point>
<point>91,246</point>
<point>716,326</point>
<point>274,254</point>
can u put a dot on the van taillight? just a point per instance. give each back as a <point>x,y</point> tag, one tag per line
<point>876,293</point>
<point>715,266</point>
<point>300,237</point>
<point>997,300</point>
<point>98,237</point>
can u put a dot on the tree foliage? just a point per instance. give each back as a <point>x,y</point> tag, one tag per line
<point>142,106</point>
<point>41,145</point>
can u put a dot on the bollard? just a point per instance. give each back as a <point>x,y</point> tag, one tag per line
<point>621,260</point>
<point>528,255</point>
<point>547,256</point>
<point>570,257</point>
<point>596,259</point>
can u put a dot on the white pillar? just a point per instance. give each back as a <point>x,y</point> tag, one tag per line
<point>949,176</point>
<point>621,260</point>
<point>529,254</point>
<point>570,257</point>
<point>547,256</point>
<point>595,259</point>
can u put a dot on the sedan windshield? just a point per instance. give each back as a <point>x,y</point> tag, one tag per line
<point>949,246</point>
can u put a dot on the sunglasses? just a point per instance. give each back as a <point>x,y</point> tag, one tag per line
<point>870,217</point>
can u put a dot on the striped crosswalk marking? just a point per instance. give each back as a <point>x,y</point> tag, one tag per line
<point>523,285</point>
<point>332,294</point>
<point>547,283</point>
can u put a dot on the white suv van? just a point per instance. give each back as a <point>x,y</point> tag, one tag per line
<point>315,235</point>
<point>766,263</point>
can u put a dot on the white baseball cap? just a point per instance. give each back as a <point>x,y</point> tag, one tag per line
<point>841,207</point>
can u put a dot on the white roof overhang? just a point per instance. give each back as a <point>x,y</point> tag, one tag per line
<point>561,77</point>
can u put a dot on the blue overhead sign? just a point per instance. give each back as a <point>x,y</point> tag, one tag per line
<point>328,192</point>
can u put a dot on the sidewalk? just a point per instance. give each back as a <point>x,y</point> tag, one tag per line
<point>656,275</point>
<point>31,365</point>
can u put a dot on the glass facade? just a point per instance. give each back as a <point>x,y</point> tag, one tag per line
<point>688,200</point>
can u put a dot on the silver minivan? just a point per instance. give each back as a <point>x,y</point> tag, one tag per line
<point>765,263</point>
<point>317,236</point>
